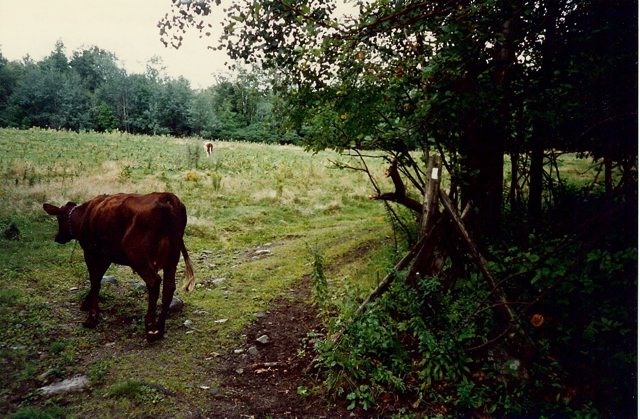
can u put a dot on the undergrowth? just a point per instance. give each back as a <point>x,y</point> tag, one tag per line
<point>570,350</point>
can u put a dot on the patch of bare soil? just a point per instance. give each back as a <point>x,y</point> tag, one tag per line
<point>262,376</point>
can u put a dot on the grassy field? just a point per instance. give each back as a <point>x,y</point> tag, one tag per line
<point>244,197</point>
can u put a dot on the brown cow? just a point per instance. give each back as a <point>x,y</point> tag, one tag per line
<point>141,231</point>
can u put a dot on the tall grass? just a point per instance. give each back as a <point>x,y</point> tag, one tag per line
<point>59,166</point>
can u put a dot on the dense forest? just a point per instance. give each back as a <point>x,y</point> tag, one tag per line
<point>90,91</point>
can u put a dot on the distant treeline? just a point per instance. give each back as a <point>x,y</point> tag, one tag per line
<point>90,91</point>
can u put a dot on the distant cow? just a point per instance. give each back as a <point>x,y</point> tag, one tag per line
<point>208,148</point>
<point>141,231</point>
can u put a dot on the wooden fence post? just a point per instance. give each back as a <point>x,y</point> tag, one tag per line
<point>431,193</point>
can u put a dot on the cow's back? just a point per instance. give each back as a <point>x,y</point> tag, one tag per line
<point>131,228</point>
<point>160,210</point>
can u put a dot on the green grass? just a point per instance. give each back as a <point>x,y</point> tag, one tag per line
<point>245,195</point>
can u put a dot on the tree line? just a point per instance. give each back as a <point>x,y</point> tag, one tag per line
<point>90,91</point>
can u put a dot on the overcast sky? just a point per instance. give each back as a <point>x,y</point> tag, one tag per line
<point>124,27</point>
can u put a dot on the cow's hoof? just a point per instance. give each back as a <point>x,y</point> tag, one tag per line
<point>154,335</point>
<point>92,320</point>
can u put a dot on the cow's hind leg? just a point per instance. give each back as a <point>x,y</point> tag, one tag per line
<point>97,269</point>
<point>153,281</point>
<point>168,288</point>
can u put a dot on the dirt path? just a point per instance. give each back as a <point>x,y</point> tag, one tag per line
<point>262,379</point>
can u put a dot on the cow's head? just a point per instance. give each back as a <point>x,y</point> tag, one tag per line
<point>64,235</point>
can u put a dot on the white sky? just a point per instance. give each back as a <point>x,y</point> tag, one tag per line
<point>126,28</point>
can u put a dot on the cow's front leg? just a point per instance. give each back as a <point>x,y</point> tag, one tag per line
<point>153,280</point>
<point>97,268</point>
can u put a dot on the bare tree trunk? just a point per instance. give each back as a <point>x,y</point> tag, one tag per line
<point>536,171</point>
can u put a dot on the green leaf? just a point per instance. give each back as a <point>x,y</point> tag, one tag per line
<point>537,277</point>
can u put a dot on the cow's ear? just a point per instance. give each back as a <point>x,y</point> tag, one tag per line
<point>50,209</point>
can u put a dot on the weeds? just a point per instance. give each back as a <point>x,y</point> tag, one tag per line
<point>216,181</point>
<point>319,282</point>
<point>98,371</point>
<point>9,229</point>
<point>9,296</point>
<point>130,388</point>
<point>135,390</point>
<point>48,412</point>
<point>125,173</point>
<point>193,154</point>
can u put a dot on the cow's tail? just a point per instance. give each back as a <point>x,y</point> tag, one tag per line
<point>190,283</point>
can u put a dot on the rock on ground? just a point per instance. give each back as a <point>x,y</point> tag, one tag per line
<point>71,384</point>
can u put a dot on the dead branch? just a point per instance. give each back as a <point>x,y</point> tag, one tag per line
<point>423,264</point>
<point>417,182</point>
<point>400,194</point>
<point>395,177</point>
<point>386,282</point>
<point>400,222</point>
